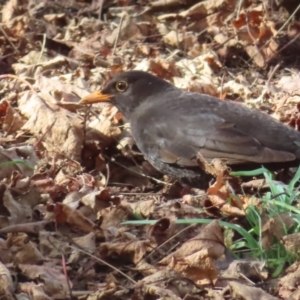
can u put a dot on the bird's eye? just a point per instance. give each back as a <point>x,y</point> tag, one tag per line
<point>121,86</point>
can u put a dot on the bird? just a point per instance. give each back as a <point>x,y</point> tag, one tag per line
<point>173,127</point>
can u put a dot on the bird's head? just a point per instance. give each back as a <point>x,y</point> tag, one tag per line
<point>128,90</point>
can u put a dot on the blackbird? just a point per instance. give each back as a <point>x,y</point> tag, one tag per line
<point>172,128</point>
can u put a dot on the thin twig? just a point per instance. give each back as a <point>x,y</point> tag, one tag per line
<point>288,20</point>
<point>100,260</point>
<point>285,46</point>
<point>259,99</point>
<point>12,45</point>
<point>20,79</point>
<point>141,174</point>
<point>280,29</point>
<point>172,237</point>
<point>100,9</point>
<point>43,48</point>
<point>107,174</point>
<point>118,35</point>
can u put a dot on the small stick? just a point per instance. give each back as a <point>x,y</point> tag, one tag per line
<point>118,36</point>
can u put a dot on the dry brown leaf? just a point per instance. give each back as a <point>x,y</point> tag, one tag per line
<point>146,268</point>
<point>25,252</point>
<point>130,252</point>
<point>245,292</point>
<point>114,216</point>
<point>290,84</point>
<point>11,120</point>
<point>87,243</point>
<point>217,202</point>
<point>143,208</point>
<point>241,269</point>
<point>241,88</point>
<point>100,199</point>
<point>6,283</point>
<point>163,69</point>
<point>36,290</point>
<point>162,230</point>
<point>289,282</point>
<point>57,89</point>
<point>11,9</point>
<point>220,199</point>
<point>51,245</point>
<point>275,227</point>
<point>63,130</point>
<point>66,214</point>
<point>54,281</point>
<point>161,293</point>
<point>103,127</point>
<point>12,211</point>
<point>207,7</point>
<point>195,258</point>
<point>5,252</point>
<point>252,18</point>
<point>22,159</point>
<point>291,242</point>
<point>128,30</point>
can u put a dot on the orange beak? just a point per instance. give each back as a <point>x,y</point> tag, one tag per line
<point>95,98</point>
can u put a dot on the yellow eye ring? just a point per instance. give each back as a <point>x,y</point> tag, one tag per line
<point>121,86</point>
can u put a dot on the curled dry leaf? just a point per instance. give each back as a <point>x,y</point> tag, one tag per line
<point>11,120</point>
<point>215,202</point>
<point>289,284</point>
<point>57,89</point>
<point>162,230</point>
<point>54,281</point>
<point>143,208</point>
<point>180,40</point>
<point>36,290</point>
<point>100,199</point>
<point>162,68</point>
<point>86,242</point>
<point>181,210</point>
<point>242,291</point>
<point>25,252</point>
<point>239,269</point>
<point>12,212</point>
<point>43,183</point>
<point>51,244</point>
<point>6,282</point>
<point>275,227</point>
<point>130,252</point>
<point>207,7</point>
<point>66,214</point>
<point>291,242</point>
<point>145,290</point>
<point>114,216</point>
<point>104,127</point>
<point>146,268</point>
<point>219,195</point>
<point>128,30</point>
<point>63,130</point>
<point>195,258</point>
<point>290,84</point>
<point>12,9</point>
<point>5,252</point>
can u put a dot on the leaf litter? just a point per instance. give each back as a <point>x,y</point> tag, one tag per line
<point>71,175</point>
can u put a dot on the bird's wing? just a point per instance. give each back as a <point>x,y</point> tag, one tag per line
<point>189,133</point>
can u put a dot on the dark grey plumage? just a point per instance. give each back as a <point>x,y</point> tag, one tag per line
<point>171,126</point>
